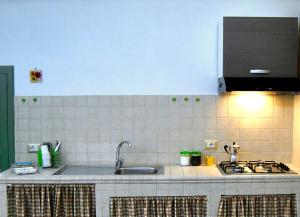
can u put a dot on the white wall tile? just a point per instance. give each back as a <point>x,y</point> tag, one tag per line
<point>156,125</point>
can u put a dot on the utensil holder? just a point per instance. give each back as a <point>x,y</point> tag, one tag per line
<point>55,158</point>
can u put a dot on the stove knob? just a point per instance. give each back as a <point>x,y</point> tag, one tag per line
<point>268,169</point>
<point>284,167</point>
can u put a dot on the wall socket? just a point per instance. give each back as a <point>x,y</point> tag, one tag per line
<point>210,144</point>
<point>33,148</point>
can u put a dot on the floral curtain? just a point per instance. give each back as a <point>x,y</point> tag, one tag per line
<point>175,206</point>
<point>70,200</point>
<point>275,205</point>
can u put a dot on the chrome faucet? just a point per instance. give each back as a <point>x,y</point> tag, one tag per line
<point>119,161</point>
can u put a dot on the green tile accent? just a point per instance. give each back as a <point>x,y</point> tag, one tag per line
<point>174,99</point>
<point>197,99</point>
<point>186,99</point>
<point>23,100</point>
<point>34,99</point>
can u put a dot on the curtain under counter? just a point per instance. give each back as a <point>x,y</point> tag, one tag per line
<point>270,205</point>
<point>42,200</point>
<point>158,206</point>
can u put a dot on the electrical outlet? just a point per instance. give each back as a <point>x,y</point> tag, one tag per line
<point>210,144</point>
<point>33,148</point>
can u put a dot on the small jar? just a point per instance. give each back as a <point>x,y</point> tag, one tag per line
<point>210,160</point>
<point>185,158</point>
<point>195,158</point>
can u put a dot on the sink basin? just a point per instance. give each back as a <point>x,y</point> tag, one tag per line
<point>109,170</point>
<point>86,170</point>
<point>140,170</point>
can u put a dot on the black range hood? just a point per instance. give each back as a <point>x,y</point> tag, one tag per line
<point>281,85</point>
<point>258,54</point>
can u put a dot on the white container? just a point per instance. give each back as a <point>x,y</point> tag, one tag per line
<point>185,159</point>
<point>46,156</point>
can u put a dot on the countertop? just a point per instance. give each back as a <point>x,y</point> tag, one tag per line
<point>172,173</point>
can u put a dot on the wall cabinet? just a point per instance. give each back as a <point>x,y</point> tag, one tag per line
<point>259,47</point>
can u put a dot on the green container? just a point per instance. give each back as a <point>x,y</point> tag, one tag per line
<point>39,158</point>
<point>195,158</point>
<point>185,153</point>
<point>55,158</point>
<point>195,153</point>
<point>185,157</point>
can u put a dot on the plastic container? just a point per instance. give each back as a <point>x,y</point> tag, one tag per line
<point>195,158</point>
<point>210,160</point>
<point>185,157</point>
<point>46,158</point>
<point>55,158</point>
<point>39,158</point>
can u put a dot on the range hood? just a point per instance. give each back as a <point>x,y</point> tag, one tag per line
<point>258,54</point>
<point>280,85</point>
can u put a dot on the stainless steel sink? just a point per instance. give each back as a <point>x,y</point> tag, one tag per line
<point>142,170</point>
<point>109,170</point>
<point>86,170</point>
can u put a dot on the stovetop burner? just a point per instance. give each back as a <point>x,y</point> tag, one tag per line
<point>254,167</point>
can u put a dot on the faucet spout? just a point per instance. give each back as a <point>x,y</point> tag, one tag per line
<point>119,162</point>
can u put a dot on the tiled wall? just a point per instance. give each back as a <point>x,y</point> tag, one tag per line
<point>296,151</point>
<point>91,127</point>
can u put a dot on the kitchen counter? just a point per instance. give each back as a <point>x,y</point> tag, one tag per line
<point>176,181</point>
<point>172,173</point>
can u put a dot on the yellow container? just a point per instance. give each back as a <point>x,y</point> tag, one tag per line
<point>210,160</point>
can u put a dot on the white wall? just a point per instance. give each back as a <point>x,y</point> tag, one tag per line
<point>120,47</point>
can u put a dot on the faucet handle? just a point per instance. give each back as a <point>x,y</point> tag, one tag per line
<point>119,163</point>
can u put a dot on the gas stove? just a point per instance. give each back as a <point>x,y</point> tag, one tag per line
<point>254,167</point>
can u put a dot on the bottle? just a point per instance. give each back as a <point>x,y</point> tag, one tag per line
<point>46,156</point>
<point>39,158</point>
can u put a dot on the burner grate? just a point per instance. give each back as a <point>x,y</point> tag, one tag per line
<point>268,167</point>
<point>233,167</point>
<point>254,167</point>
